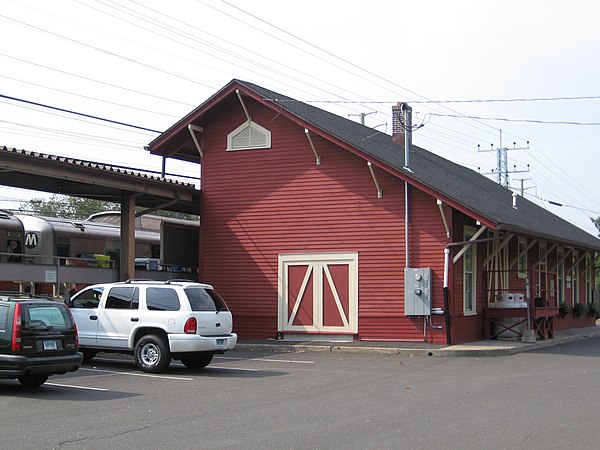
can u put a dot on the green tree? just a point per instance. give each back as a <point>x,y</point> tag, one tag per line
<point>596,222</point>
<point>67,207</point>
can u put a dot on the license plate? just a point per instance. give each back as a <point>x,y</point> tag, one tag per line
<point>50,345</point>
<point>220,341</point>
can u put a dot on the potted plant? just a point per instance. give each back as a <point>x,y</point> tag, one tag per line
<point>563,309</point>
<point>579,309</point>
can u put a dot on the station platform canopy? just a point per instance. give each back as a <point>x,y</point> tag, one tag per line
<point>99,181</point>
<point>93,180</point>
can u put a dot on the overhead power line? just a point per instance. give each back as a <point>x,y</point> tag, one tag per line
<point>78,113</point>
<point>487,100</point>
<point>549,122</point>
<point>97,81</point>
<point>555,203</point>
<point>512,100</point>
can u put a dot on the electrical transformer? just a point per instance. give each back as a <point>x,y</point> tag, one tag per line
<point>417,291</point>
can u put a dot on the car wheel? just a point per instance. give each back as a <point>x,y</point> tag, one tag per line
<point>152,354</point>
<point>197,360</point>
<point>88,354</point>
<point>33,380</point>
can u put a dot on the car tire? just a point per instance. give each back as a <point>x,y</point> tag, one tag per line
<point>152,354</point>
<point>88,354</point>
<point>197,360</point>
<point>33,380</point>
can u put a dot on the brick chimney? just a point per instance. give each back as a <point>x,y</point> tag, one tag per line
<point>398,131</point>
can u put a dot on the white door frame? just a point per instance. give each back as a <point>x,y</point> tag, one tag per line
<point>317,264</point>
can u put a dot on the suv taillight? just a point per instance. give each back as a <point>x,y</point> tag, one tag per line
<point>74,329</point>
<point>190,326</point>
<point>15,345</point>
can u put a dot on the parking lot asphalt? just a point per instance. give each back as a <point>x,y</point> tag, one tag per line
<point>489,347</point>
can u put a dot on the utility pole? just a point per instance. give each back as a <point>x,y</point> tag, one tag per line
<point>502,161</point>
<point>523,189</point>
<point>362,116</point>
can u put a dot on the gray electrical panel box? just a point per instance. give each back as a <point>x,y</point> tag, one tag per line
<point>417,291</point>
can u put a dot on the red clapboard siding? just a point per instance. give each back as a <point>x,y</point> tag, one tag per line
<point>260,203</point>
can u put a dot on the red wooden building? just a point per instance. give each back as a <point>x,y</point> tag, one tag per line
<point>313,227</point>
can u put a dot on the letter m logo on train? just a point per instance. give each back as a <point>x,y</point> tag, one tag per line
<point>31,240</point>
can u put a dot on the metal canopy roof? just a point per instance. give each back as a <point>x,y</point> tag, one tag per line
<point>68,176</point>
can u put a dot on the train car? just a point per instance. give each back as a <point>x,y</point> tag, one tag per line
<point>11,237</point>
<point>62,241</point>
<point>50,255</point>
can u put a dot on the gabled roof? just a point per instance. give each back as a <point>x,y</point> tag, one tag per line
<point>462,188</point>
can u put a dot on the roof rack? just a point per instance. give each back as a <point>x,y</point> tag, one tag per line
<point>179,280</point>
<point>23,295</point>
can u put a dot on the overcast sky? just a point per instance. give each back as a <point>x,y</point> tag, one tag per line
<point>147,63</point>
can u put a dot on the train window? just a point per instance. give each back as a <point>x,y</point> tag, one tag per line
<point>162,299</point>
<point>89,298</point>
<point>122,298</point>
<point>62,251</point>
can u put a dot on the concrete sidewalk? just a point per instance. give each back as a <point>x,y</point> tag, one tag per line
<point>490,347</point>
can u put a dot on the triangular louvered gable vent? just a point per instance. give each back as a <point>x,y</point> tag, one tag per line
<point>249,136</point>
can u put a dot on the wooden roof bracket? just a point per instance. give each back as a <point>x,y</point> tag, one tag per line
<point>379,191</point>
<point>312,145</point>
<point>193,129</point>
<point>524,252</point>
<point>589,262</point>
<point>468,244</point>
<point>503,244</point>
<point>239,94</point>
<point>545,255</point>
<point>558,263</point>
<point>580,259</point>
<point>440,205</point>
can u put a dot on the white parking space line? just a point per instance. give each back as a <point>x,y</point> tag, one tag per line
<point>232,368</point>
<point>166,377</point>
<point>289,361</point>
<point>72,386</point>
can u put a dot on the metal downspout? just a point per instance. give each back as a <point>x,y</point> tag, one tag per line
<point>446,302</point>
<point>447,276</point>
<point>406,220</point>
<point>407,112</point>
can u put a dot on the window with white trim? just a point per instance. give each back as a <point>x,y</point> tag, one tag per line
<point>575,277</point>
<point>588,278</point>
<point>248,136</point>
<point>469,275</point>
<point>542,266</point>
<point>560,274</point>
<point>522,252</point>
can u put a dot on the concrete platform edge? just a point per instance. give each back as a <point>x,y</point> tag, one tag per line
<point>476,349</point>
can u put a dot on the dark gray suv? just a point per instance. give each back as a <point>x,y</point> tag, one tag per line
<point>38,338</point>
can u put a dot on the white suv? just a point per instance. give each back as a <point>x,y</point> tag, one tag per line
<point>154,320</point>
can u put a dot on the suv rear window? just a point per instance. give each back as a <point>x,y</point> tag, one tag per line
<point>162,299</point>
<point>3,317</point>
<point>205,300</point>
<point>45,316</point>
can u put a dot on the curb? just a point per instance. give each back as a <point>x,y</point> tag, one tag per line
<point>482,351</point>
<point>304,348</point>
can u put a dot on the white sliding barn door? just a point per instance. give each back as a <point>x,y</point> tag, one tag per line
<point>318,293</point>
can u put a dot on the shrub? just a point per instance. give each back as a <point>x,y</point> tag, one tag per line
<point>564,309</point>
<point>593,310</point>
<point>579,309</point>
